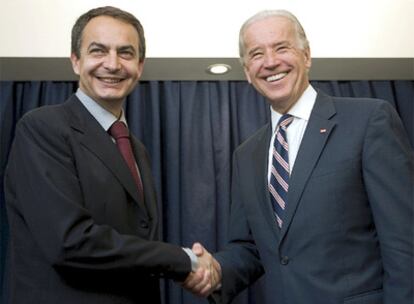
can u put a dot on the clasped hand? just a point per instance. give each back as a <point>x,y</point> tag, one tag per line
<point>207,277</point>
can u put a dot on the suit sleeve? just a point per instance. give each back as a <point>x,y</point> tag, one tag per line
<point>44,190</point>
<point>240,260</point>
<point>388,175</point>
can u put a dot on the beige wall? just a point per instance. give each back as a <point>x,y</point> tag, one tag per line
<point>208,29</point>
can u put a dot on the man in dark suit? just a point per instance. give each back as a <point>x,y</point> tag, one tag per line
<point>83,225</point>
<point>322,197</point>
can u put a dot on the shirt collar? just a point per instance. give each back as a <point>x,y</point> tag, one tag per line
<point>301,109</point>
<point>103,116</point>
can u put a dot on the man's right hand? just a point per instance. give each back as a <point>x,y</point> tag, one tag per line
<point>207,277</point>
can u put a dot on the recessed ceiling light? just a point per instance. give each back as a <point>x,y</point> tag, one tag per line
<point>218,69</point>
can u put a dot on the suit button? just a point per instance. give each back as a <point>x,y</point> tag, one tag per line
<point>143,224</point>
<point>284,260</point>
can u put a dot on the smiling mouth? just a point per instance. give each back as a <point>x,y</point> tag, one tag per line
<point>276,77</point>
<point>110,80</point>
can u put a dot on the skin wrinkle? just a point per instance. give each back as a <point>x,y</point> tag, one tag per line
<point>109,65</point>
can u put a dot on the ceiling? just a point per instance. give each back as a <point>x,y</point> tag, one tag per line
<point>194,69</point>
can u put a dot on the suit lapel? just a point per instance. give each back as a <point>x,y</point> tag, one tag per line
<point>313,142</point>
<point>147,181</point>
<point>97,141</point>
<point>260,156</point>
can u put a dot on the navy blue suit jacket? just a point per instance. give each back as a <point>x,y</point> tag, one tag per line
<point>347,235</point>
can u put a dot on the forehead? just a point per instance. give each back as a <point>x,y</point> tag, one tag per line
<point>109,31</point>
<point>271,29</point>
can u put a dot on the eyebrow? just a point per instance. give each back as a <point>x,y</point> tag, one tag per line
<point>253,50</point>
<point>121,48</point>
<point>96,44</point>
<point>281,43</point>
<point>127,48</point>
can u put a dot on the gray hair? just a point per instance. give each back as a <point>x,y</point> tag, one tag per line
<point>303,42</point>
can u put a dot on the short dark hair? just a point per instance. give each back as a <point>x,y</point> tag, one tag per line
<point>79,26</point>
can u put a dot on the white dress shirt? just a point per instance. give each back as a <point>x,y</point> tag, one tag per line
<point>301,112</point>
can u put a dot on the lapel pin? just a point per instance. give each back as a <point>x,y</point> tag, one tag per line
<point>322,131</point>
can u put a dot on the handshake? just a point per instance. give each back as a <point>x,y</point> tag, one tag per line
<point>207,277</point>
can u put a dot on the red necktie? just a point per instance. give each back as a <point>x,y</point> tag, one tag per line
<point>120,133</point>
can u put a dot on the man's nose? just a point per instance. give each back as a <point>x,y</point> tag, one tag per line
<point>271,59</point>
<point>112,62</point>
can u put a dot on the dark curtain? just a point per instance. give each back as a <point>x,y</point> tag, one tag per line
<point>190,130</point>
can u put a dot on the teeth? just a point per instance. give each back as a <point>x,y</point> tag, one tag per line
<point>110,80</point>
<point>276,77</point>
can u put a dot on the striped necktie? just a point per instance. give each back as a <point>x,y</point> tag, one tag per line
<point>279,178</point>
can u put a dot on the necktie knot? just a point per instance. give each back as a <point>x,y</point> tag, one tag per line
<point>119,130</point>
<point>285,121</point>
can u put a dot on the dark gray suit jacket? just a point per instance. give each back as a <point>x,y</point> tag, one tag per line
<point>78,231</point>
<point>347,235</point>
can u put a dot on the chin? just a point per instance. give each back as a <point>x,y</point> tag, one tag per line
<point>277,96</point>
<point>110,98</point>
<point>113,94</point>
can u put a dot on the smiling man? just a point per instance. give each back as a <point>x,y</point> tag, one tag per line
<point>80,196</point>
<point>322,195</point>
<point>276,61</point>
<point>108,59</point>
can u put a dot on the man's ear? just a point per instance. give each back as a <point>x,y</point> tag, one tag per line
<point>75,63</point>
<point>140,68</point>
<point>246,73</point>
<point>308,58</point>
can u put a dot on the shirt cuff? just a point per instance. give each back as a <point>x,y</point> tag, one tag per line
<point>193,258</point>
